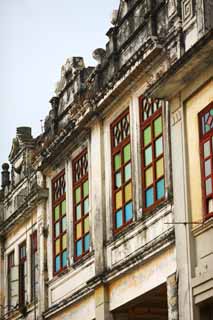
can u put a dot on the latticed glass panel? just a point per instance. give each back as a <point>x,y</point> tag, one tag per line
<point>59,221</point>
<point>59,187</point>
<point>152,150</point>
<point>81,204</point>
<point>149,106</point>
<point>121,170</point>
<point>206,148</point>
<point>80,167</point>
<point>121,130</point>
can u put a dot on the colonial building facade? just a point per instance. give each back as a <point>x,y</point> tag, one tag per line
<point>108,214</point>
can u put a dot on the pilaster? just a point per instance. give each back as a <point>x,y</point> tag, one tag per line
<point>102,304</point>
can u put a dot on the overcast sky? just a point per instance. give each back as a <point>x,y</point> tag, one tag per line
<point>36,37</point>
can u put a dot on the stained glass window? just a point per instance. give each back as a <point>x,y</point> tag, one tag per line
<point>152,151</point>
<point>59,223</point>
<point>22,274</point>
<point>81,205</point>
<point>206,151</point>
<point>34,267</point>
<point>121,170</point>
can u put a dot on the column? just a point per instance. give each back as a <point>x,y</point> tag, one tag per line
<point>102,304</point>
<point>172,297</point>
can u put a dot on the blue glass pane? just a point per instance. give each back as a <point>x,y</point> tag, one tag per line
<point>64,259</point>
<point>160,189</point>
<point>149,197</point>
<point>86,242</point>
<point>79,248</point>
<point>118,219</point>
<point>128,212</point>
<point>57,263</point>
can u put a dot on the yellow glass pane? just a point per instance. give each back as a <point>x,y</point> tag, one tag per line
<point>128,192</point>
<point>64,242</point>
<point>149,176</point>
<point>159,168</point>
<point>86,225</point>
<point>79,230</point>
<point>118,199</point>
<point>57,246</point>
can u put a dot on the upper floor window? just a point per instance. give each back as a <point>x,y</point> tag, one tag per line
<point>22,275</point>
<point>81,205</point>
<point>153,178</point>
<point>59,223</point>
<point>12,281</point>
<point>121,172</point>
<point>206,152</point>
<point>34,267</point>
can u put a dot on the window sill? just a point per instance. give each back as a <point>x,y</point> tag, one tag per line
<point>82,260</point>
<point>203,227</point>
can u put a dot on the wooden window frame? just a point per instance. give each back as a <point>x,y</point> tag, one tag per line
<point>76,185</point>
<point>143,125</point>
<point>34,249</point>
<point>22,260</point>
<point>56,203</point>
<point>203,138</point>
<point>10,265</point>
<point>115,150</point>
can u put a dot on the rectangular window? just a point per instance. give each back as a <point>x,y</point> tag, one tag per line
<point>206,152</point>
<point>11,265</point>
<point>22,275</point>
<point>34,267</point>
<point>81,205</point>
<point>59,223</point>
<point>121,172</point>
<point>153,178</point>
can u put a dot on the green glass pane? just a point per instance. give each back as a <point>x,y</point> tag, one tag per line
<point>127,172</point>
<point>78,212</point>
<point>207,167</point>
<point>147,135</point>
<point>117,161</point>
<point>64,224</point>
<point>64,242</point>
<point>158,146</point>
<point>118,179</point>
<point>77,195</point>
<point>148,155</point>
<point>127,153</point>
<point>211,112</point>
<point>56,213</point>
<point>158,126</point>
<point>207,127</point>
<point>149,176</point>
<point>86,188</point>
<point>63,207</point>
